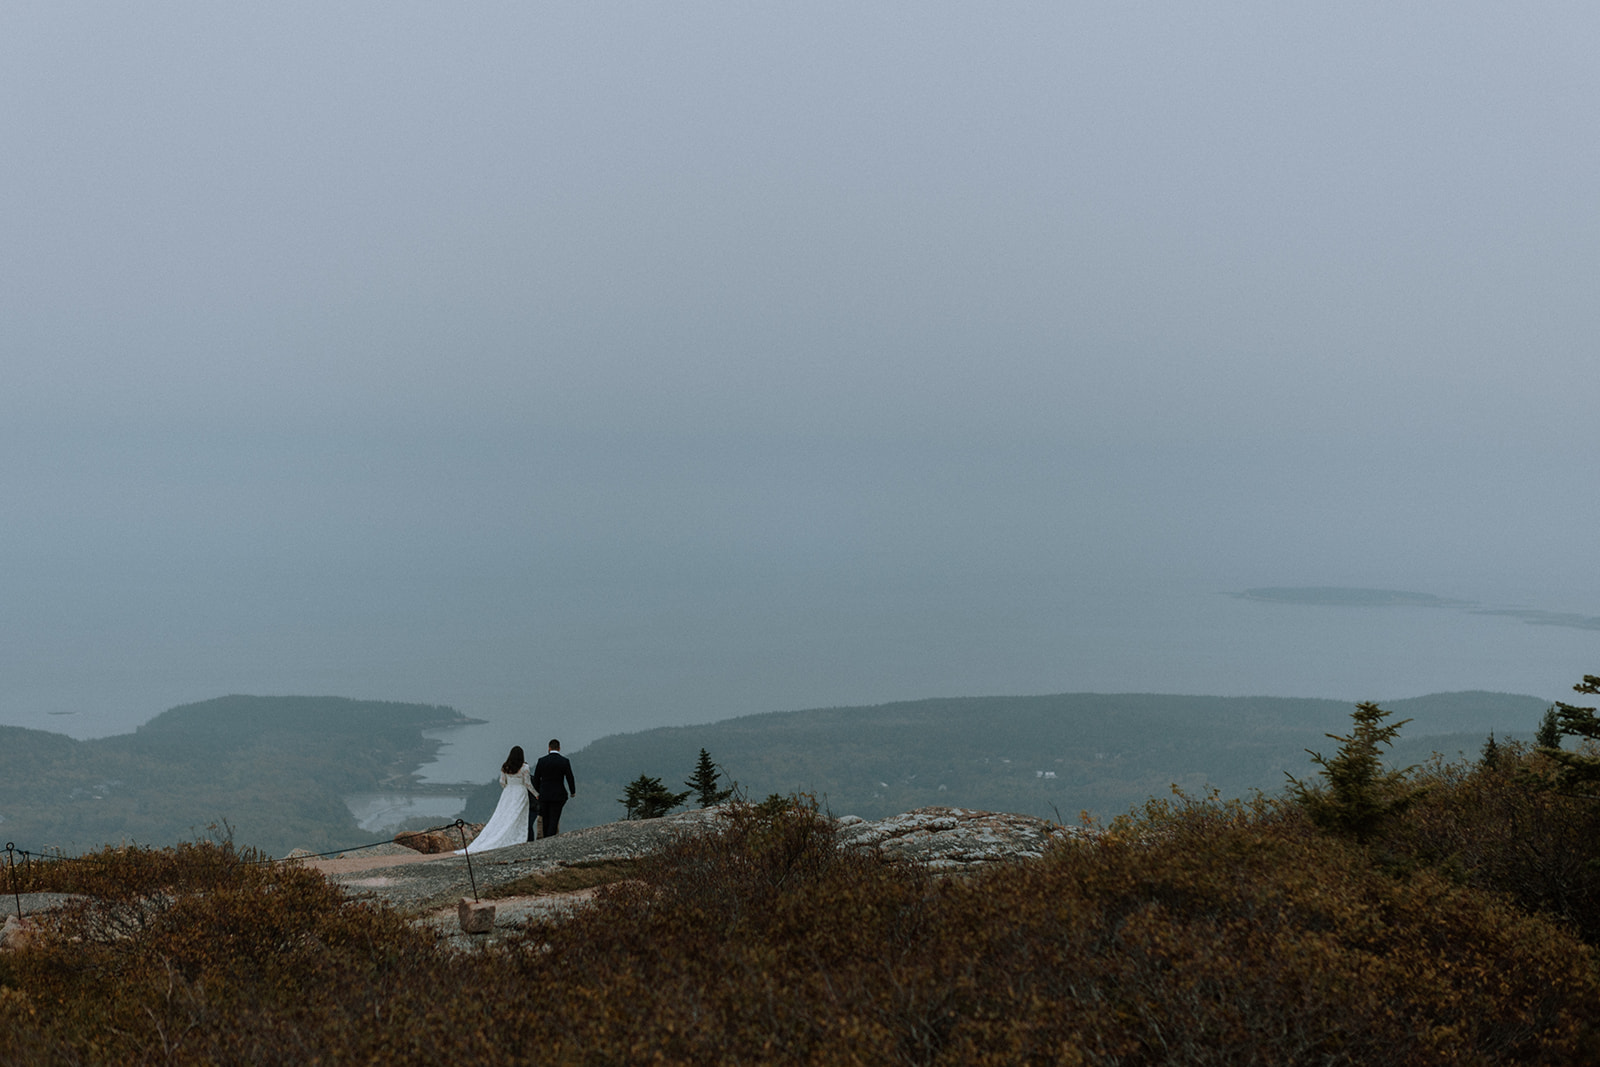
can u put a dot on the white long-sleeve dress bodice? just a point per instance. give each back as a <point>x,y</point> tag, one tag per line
<point>509,823</point>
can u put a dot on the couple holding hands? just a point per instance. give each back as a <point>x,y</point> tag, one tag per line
<point>527,793</point>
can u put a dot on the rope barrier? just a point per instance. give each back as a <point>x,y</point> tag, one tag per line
<point>28,857</point>
<point>459,825</point>
<point>387,841</point>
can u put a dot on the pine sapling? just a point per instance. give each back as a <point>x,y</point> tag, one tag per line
<point>1357,794</point>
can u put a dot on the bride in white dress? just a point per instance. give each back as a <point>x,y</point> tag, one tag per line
<point>509,823</point>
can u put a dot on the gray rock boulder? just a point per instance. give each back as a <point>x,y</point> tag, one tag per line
<point>16,934</point>
<point>954,838</point>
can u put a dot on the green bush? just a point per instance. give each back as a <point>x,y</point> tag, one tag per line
<point>647,798</point>
<point>1357,794</point>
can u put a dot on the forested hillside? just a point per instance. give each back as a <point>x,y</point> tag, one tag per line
<point>277,770</point>
<point>1038,755</point>
<point>274,769</point>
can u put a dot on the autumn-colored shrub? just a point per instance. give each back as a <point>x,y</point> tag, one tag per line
<point>1197,933</point>
<point>1226,933</point>
<point>198,954</point>
<point>1192,932</point>
<point>134,871</point>
<point>1503,827</point>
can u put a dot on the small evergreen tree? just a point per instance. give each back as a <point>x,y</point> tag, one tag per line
<point>647,798</point>
<point>1489,755</point>
<point>1357,794</point>
<point>1578,770</point>
<point>777,804</point>
<point>1549,732</point>
<point>703,783</point>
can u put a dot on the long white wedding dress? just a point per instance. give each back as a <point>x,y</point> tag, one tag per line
<point>509,823</point>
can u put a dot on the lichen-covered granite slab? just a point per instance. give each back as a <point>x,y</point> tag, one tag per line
<point>421,883</point>
<point>942,838</point>
<point>945,838</point>
<point>33,903</point>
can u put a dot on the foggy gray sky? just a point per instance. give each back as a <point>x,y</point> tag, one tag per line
<point>646,363</point>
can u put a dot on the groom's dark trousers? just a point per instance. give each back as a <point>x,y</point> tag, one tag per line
<point>552,780</point>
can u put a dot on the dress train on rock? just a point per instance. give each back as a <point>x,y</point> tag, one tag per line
<point>509,823</point>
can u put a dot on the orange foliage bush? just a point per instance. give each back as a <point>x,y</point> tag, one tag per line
<point>1505,829</point>
<point>1194,932</point>
<point>1198,933</point>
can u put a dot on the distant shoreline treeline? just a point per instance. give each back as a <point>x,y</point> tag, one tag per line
<point>274,772</point>
<point>1051,756</point>
<point>271,771</point>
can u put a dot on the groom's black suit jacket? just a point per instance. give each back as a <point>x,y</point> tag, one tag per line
<point>548,775</point>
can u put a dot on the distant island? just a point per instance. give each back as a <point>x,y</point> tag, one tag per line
<point>1570,620</point>
<point>1344,596</point>
<point>1340,596</point>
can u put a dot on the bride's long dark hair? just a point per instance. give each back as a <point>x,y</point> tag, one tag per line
<point>513,762</point>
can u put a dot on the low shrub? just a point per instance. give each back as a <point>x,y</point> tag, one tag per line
<point>1197,933</point>
<point>1502,826</point>
<point>1194,932</point>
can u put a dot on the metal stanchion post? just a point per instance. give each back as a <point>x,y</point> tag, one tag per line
<point>474,916</point>
<point>11,870</point>
<point>461,828</point>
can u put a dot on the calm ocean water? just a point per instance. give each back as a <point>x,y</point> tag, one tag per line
<point>617,666</point>
<point>1203,643</point>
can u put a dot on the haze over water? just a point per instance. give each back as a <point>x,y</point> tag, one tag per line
<point>596,368</point>
<point>624,671</point>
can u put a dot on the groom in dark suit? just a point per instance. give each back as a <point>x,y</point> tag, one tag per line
<point>552,784</point>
